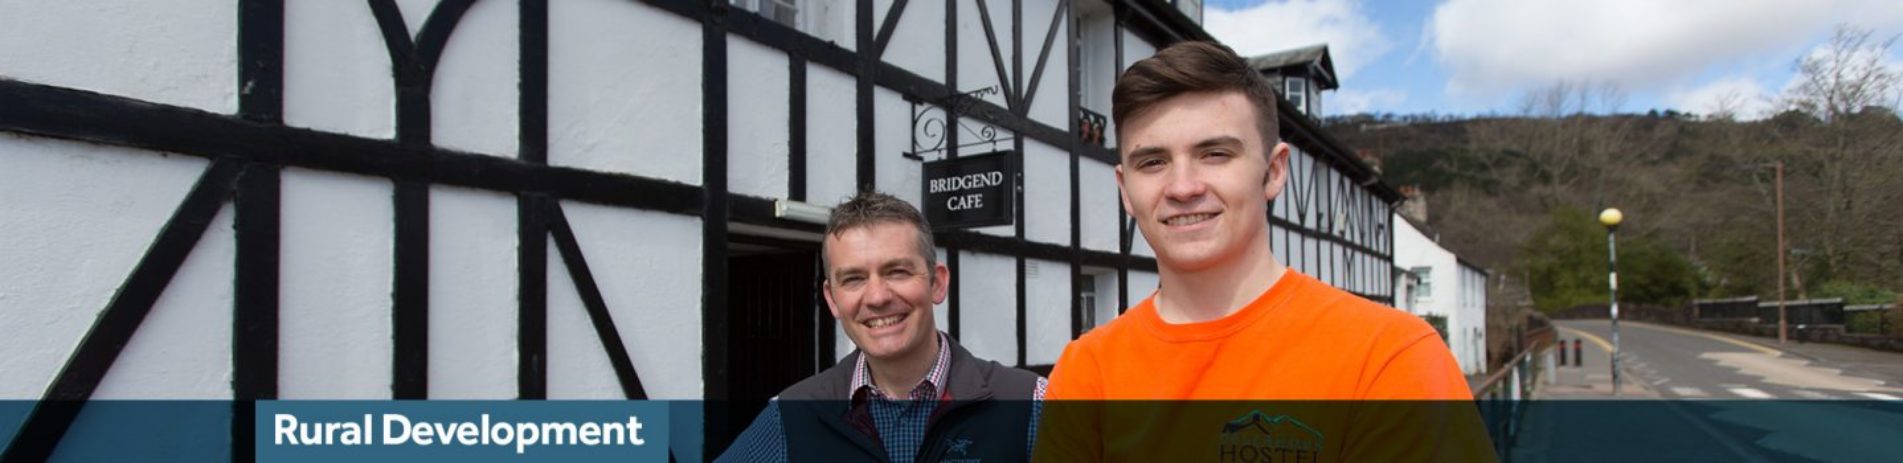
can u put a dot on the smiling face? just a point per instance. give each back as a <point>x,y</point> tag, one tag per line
<point>1195,177</point>
<point>882,289</point>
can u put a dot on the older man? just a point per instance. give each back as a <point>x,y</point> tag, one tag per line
<point>909,393</point>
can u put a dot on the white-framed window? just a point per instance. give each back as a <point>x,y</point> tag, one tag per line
<point>785,12</point>
<point>1424,277</point>
<point>1295,89</point>
<point>1087,298</point>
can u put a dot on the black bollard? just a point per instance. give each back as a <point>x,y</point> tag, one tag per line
<point>1579,357</point>
<point>1562,352</point>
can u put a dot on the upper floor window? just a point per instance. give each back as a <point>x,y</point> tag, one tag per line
<point>785,12</point>
<point>827,20</point>
<point>1296,91</point>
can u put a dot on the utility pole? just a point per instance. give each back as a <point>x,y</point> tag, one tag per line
<point>1783,327</point>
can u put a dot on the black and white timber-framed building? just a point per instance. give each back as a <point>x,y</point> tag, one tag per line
<point>557,199</point>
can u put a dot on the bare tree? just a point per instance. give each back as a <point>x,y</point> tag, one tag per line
<point>1853,156</point>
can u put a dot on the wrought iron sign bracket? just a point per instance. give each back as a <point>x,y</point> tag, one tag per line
<point>932,122</point>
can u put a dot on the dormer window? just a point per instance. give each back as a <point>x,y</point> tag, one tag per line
<point>1295,89</point>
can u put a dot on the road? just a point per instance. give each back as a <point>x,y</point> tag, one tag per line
<point>1679,363</point>
<point>1701,396</point>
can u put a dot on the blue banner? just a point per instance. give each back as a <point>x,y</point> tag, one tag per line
<point>448,430</point>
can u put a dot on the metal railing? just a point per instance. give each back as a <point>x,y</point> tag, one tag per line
<point>1502,396</point>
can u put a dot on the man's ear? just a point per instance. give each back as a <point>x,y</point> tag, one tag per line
<point>1277,175</point>
<point>826,291</point>
<point>1124,193</point>
<point>941,282</point>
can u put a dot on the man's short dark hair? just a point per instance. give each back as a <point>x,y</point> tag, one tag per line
<point>871,207</point>
<point>1190,67</point>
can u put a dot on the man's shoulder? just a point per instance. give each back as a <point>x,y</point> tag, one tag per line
<point>1002,381</point>
<point>828,384</point>
<point>1343,313</point>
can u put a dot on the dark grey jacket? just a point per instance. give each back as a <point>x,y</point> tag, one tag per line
<point>989,416</point>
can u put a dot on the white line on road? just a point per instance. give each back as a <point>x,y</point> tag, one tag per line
<point>1687,391</point>
<point>1879,396</point>
<point>1750,393</point>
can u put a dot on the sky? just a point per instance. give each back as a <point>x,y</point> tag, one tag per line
<point>1471,57</point>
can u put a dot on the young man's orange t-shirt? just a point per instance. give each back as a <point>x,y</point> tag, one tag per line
<point>1303,358</point>
<point>1301,340</point>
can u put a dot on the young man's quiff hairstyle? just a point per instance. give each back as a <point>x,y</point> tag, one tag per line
<point>1190,67</point>
<point>872,207</point>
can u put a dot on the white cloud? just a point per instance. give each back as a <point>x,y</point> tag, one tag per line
<point>1352,38</point>
<point>1353,101</point>
<point>1506,45</point>
<point>1742,97</point>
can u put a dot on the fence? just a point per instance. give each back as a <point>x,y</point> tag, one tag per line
<point>1503,395</point>
<point>1869,318</point>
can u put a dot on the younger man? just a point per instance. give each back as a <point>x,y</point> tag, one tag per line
<point>1200,161</point>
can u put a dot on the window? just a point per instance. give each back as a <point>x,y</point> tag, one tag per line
<point>1425,276</point>
<point>785,12</point>
<point>1296,92</point>
<point>1087,298</point>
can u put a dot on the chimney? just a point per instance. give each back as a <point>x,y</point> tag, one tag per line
<point>1413,203</point>
<point>1368,156</point>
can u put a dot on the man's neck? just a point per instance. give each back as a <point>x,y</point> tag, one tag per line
<point>1213,293</point>
<point>896,377</point>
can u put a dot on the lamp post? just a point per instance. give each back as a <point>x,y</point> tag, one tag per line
<point>1611,218</point>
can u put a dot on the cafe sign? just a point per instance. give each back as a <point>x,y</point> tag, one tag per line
<point>971,191</point>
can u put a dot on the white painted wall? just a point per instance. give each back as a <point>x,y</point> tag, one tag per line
<point>473,100</point>
<point>1142,284</point>
<point>1047,296</point>
<point>893,173</point>
<point>624,89</point>
<point>831,135</point>
<point>473,298</point>
<point>976,67</point>
<point>337,74</point>
<point>183,349</point>
<point>77,217</point>
<point>1472,351</point>
<point>1098,204</point>
<point>918,42</point>
<point>1051,104</point>
<point>1451,289</point>
<point>757,142</point>
<point>988,306</point>
<point>648,266</point>
<point>187,59</point>
<point>1047,194</point>
<point>334,329</point>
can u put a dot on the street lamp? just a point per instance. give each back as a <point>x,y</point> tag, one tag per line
<point>1611,218</point>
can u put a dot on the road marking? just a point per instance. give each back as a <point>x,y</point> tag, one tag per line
<point>1750,393</point>
<point>1810,394</point>
<point>1596,340</point>
<point>1879,396</point>
<point>1725,339</point>
<point>1687,391</point>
